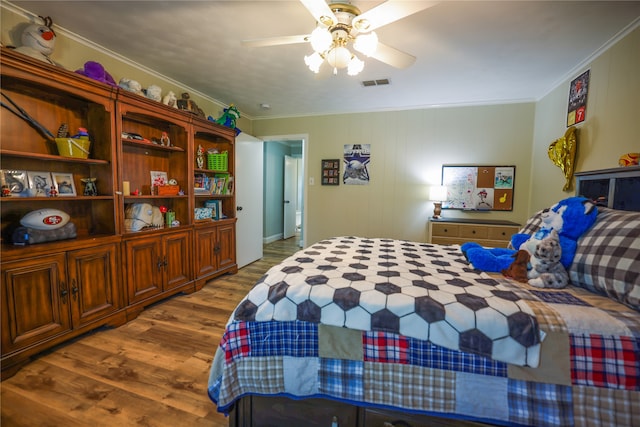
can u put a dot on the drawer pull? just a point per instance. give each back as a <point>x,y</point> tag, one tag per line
<point>473,232</point>
<point>446,230</point>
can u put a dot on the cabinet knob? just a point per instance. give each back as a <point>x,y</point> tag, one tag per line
<point>446,230</point>
<point>239,208</point>
<point>74,290</point>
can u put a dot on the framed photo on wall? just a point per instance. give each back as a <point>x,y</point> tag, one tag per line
<point>331,172</point>
<point>63,183</point>
<point>578,90</point>
<point>479,188</point>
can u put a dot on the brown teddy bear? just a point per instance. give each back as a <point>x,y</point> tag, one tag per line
<point>518,268</point>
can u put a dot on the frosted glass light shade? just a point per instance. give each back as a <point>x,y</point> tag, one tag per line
<point>339,57</point>
<point>366,43</point>
<point>320,39</point>
<point>314,61</point>
<point>355,66</point>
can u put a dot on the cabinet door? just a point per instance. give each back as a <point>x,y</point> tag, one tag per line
<point>144,268</point>
<point>226,246</point>
<point>177,259</point>
<point>35,299</point>
<point>93,283</point>
<point>205,256</point>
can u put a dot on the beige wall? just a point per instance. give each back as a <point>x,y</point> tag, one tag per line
<point>408,150</point>
<point>71,52</point>
<point>610,129</point>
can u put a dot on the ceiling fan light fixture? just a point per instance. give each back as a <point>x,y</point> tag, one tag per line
<point>356,65</point>
<point>366,43</point>
<point>314,61</point>
<point>320,39</point>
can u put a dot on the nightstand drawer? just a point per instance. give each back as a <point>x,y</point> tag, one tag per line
<point>473,231</point>
<point>502,233</point>
<point>445,230</point>
<point>457,231</point>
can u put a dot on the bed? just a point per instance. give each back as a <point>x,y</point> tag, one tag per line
<point>355,331</point>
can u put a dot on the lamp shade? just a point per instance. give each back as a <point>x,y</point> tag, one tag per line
<point>438,193</point>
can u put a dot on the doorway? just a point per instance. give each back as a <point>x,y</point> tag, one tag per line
<point>276,149</point>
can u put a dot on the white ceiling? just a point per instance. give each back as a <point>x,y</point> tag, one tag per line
<point>468,52</point>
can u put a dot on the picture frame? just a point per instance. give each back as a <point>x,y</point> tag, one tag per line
<point>158,178</point>
<point>64,184</point>
<point>40,183</point>
<point>578,93</point>
<point>16,181</point>
<point>330,172</point>
<point>478,187</point>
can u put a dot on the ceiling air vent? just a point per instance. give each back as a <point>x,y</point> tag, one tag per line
<point>379,82</point>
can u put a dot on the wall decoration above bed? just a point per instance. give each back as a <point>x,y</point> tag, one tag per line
<point>479,188</point>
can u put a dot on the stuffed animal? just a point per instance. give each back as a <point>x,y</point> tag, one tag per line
<point>519,267</point>
<point>154,92</point>
<point>170,99</point>
<point>185,103</point>
<point>228,118</point>
<point>96,71</point>
<point>546,269</point>
<point>39,40</point>
<point>570,217</point>
<point>131,86</point>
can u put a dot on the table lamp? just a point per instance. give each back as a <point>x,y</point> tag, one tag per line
<point>437,194</point>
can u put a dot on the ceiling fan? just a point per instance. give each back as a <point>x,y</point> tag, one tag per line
<point>340,25</point>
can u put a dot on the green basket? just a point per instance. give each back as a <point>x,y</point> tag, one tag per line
<point>218,161</point>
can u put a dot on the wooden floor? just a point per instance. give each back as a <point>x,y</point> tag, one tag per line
<point>153,371</point>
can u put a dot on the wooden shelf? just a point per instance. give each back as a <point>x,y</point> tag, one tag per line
<point>51,157</point>
<point>151,145</point>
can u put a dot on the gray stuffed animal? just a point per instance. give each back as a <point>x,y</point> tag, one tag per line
<point>546,269</point>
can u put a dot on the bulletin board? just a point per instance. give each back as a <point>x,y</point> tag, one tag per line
<point>479,188</point>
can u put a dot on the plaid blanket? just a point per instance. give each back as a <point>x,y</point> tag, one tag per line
<point>588,372</point>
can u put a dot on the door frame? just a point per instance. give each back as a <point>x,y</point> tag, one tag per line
<point>304,137</point>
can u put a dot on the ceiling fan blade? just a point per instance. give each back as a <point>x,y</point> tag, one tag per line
<point>388,12</point>
<point>392,56</point>
<point>276,41</point>
<point>321,11</point>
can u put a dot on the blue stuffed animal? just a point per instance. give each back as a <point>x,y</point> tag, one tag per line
<point>570,217</point>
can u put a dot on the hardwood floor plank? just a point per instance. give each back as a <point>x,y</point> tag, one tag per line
<point>152,371</point>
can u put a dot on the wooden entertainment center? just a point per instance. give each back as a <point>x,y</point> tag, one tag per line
<point>106,275</point>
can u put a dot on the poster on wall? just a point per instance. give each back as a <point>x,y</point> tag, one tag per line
<point>577,111</point>
<point>481,188</point>
<point>357,158</point>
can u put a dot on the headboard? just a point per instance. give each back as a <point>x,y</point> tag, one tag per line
<point>616,188</point>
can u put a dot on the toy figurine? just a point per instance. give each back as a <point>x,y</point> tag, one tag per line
<point>90,188</point>
<point>164,139</point>
<point>200,157</point>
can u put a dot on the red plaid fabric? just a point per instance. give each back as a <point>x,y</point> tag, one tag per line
<point>235,341</point>
<point>385,347</point>
<point>600,361</point>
